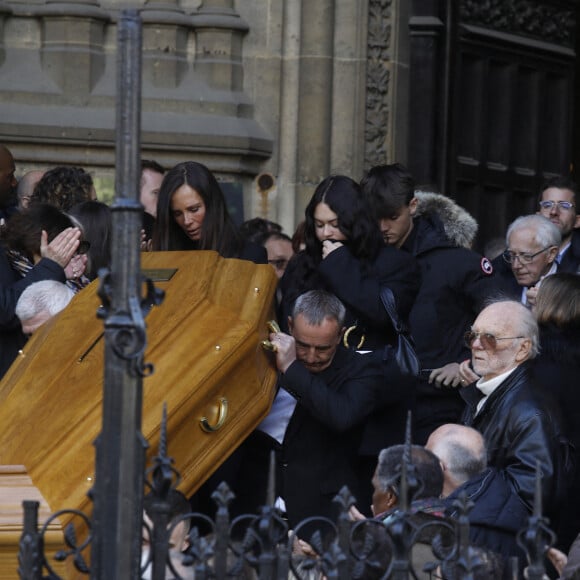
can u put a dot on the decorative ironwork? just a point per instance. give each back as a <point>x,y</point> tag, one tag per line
<point>261,545</point>
<point>544,20</point>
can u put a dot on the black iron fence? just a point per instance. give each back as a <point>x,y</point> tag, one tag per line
<point>261,546</point>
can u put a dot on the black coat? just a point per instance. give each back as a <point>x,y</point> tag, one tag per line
<point>320,447</point>
<point>571,258</point>
<point>521,425</point>
<point>12,284</point>
<point>359,289</point>
<point>455,283</point>
<point>497,515</point>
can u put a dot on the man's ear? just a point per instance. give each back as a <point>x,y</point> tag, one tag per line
<point>523,351</point>
<point>552,253</point>
<point>413,206</point>
<point>290,324</point>
<point>577,221</point>
<point>391,499</point>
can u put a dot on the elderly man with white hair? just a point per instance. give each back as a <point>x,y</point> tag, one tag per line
<point>40,302</point>
<point>518,419</point>
<point>532,245</point>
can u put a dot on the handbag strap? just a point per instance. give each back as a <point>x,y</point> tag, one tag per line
<point>389,303</point>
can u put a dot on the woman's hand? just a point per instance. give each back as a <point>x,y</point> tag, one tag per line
<point>76,267</point>
<point>62,248</point>
<point>328,246</point>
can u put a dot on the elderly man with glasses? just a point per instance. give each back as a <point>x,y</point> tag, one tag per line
<point>532,246</point>
<point>558,203</point>
<point>518,419</point>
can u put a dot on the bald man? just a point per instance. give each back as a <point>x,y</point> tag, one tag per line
<point>462,453</point>
<point>26,186</point>
<point>498,512</point>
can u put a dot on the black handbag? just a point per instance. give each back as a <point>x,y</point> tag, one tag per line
<point>403,353</point>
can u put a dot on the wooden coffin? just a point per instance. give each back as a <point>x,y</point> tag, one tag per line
<point>204,341</point>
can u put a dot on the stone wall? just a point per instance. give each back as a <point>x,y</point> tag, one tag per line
<point>286,88</point>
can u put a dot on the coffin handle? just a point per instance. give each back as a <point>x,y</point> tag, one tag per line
<point>221,419</point>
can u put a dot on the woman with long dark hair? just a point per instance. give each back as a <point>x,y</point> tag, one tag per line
<point>192,215</point>
<point>345,255</point>
<point>96,220</point>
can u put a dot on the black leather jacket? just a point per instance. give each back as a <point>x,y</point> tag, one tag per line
<point>521,426</point>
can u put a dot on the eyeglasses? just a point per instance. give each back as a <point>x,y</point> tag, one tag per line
<point>565,205</point>
<point>84,247</point>
<point>524,257</point>
<point>279,264</point>
<point>488,341</point>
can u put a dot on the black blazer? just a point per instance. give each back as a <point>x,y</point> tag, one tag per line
<point>319,451</point>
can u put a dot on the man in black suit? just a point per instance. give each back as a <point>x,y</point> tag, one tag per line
<point>326,393</point>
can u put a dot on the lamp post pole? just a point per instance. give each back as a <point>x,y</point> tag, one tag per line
<point>120,447</point>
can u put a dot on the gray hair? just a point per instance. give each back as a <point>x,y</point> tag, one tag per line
<point>527,325</point>
<point>546,233</point>
<point>317,305</point>
<point>464,462</point>
<point>45,296</point>
<point>427,469</point>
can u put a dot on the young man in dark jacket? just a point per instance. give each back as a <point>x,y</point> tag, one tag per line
<point>455,283</point>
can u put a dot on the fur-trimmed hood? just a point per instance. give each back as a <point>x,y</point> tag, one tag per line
<point>460,227</point>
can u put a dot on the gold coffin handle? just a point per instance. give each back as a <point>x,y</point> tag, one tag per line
<point>272,327</point>
<point>221,419</point>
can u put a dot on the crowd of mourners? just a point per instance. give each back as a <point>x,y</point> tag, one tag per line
<point>497,336</point>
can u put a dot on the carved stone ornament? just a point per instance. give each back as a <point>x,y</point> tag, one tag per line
<point>377,82</point>
<point>543,20</point>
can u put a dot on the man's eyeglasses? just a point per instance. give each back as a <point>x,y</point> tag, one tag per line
<point>524,257</point>
<point>565,205</point>
<point>488,341</point>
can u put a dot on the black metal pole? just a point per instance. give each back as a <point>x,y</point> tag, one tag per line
<point>120,447</point>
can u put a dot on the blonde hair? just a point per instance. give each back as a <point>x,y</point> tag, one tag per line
<point>558,300</point>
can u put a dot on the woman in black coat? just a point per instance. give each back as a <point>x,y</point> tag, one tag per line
<point>558,368</point>
<point>345,255</point>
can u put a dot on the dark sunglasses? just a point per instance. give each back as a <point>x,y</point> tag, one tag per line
<point>488,341</point>
<point>84,247</point>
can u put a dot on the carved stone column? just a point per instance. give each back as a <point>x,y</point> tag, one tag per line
<point>165,34</point>
<point>219,31</point>
<point>387,82</point>
<point>72,44</point>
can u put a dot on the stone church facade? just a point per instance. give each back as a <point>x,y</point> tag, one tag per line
<point>273,95</point>
<point>288,90</point>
